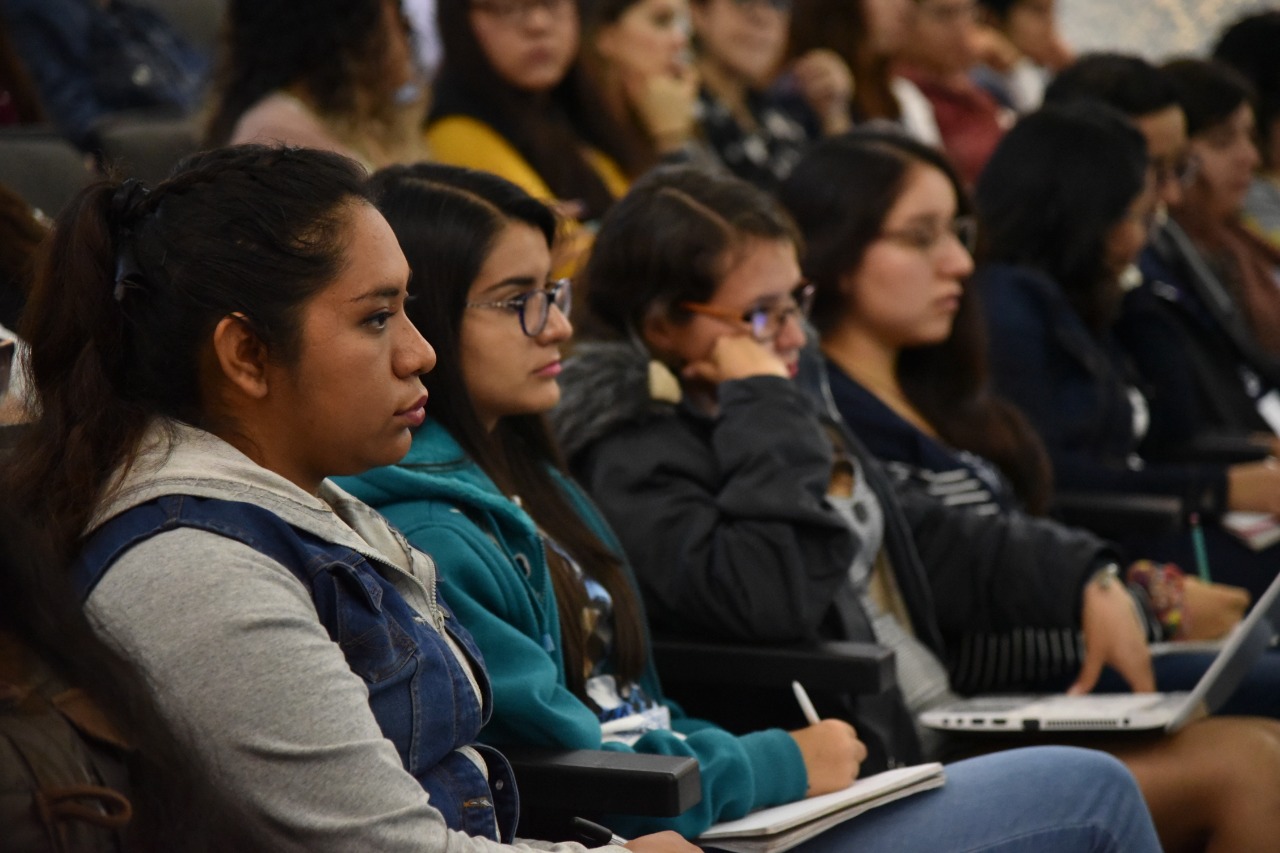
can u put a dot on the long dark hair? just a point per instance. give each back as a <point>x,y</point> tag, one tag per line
<point>841,26</point>
<point>548,129</point>
<point>333,49</point>
<point>839,195</point>
<point>20,235</point>
<point>1055,186</point>
<point>447,220</point>
<point>177,804</point>
<point>632,145</point>
<point>671,240</point>
<point>129,289</point>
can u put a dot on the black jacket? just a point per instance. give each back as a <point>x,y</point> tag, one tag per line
<point>1073,387</point>
<point>1192,345</point>
<point>726,522</point>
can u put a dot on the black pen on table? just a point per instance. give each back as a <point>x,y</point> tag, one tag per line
<point>595,834</point>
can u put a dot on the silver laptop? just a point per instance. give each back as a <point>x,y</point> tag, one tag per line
<point>1120,711</point>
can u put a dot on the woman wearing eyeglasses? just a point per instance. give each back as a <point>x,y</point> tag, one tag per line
<point>511,100</point>
<point>541,583</point>
<point>888,240</point>
<point>888,236</point>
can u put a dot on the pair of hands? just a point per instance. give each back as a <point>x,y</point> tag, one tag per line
<point>832,755</point>
<point>1113,635</point>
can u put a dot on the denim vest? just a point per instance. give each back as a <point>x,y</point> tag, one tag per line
<point>418,690</point>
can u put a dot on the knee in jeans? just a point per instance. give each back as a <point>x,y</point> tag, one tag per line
<point>1107,776</point>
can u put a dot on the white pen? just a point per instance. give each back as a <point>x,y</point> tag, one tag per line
<point>806,704</point>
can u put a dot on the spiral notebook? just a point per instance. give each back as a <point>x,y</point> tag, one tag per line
<point>782,827</point>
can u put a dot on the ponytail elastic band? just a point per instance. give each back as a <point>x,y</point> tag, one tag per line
<point>125,203</point>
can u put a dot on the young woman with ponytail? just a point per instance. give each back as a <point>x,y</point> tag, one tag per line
<point>205,355</point>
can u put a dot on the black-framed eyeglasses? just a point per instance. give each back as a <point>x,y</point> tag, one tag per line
<point>534,307</point>
<point>929,238</point>
<point>765,322</point>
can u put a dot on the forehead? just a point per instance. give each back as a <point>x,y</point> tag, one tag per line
<point>925,190</point>
<point>760,268</point>
<point>1165,131</point>
<point>371,255</point>
<point>519,251</point>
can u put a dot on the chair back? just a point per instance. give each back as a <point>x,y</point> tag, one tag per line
<point>145,145</point>
<point>42,167</point>
<point>199,21</point>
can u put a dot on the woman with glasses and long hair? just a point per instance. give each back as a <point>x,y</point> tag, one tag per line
<point>888,236</point>
<point>541,582</point>
<point>511,99</point>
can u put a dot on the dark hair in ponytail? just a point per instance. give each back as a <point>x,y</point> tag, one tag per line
<point>447,220</point>
<point>129,288</point>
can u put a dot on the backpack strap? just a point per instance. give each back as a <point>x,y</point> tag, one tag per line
<point>66,779</point>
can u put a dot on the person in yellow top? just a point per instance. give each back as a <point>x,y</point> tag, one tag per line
<point>513,99</point>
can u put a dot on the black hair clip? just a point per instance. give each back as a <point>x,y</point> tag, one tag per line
<point>128,197</point>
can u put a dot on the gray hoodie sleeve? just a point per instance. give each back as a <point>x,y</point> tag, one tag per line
<point>233,643</point>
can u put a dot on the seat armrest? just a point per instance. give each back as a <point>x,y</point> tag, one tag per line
<point>834,665</point>
<point>596,781</point>
<point>1118,515</point>
<point>1223,450</point>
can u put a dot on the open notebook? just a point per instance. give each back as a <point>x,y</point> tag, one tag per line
<point>1248,641</point>
<point>783,827</point>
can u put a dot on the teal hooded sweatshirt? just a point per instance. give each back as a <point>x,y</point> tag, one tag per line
<point>494,575</point>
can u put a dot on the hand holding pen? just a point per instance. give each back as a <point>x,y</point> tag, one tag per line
<point>832,753</point>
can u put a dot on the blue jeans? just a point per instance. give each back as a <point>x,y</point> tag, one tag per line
<point>1049,799</point>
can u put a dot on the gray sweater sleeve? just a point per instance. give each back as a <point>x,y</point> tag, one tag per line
<point>232,641</point>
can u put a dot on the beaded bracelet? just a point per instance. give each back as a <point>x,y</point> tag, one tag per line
<point>1165,585</point>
